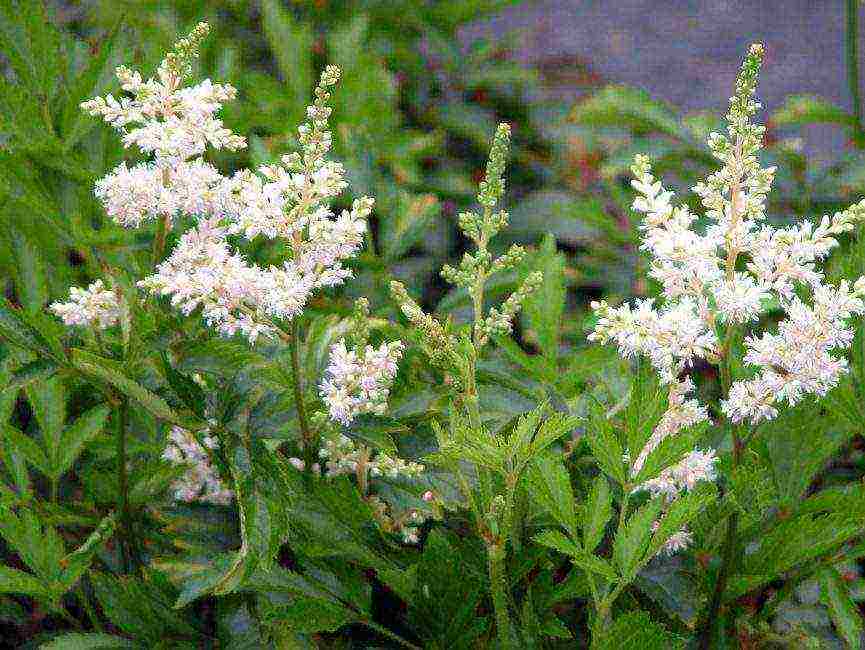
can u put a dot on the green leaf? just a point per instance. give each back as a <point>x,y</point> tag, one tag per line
<point>292,45</point>
<point>587,561</point>
<point>78,434</point>
<point>189,392</point>
<point>15,329</point>
<point>544,308</point>
<point>631,544</point>
<point>804,110</point>
<point>34,371</point>
<point>26,446</point>
<point>449,586</point>
<point>550,485</point>
<point>680,513</point>
<point>92,81</point>
<point>33,46</point>
<point>647,402</point>
<point>599,509</point>
<point>261,507</point>
<point>78,561</point>
<point>844,612</point>
<point>637,631</point>
<point>31,279</point>
<point>142,609</point>
<point>606,448</point>
<point>310,615</point>
<point>407,225</point>
<point>13,581</point>
<point>111,372</point>
<point>86,641</point>
<point>627,107</point>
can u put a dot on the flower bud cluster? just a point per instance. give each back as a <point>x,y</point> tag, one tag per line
<point>436,339</point>
<point>201,481</point>
<point>358,381</point>
<point>341,455</point>
<point>407,523</point>
<point>94,306</point>
<point>499,321</point>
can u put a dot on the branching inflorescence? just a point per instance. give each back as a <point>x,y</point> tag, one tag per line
<point>719,278</point>
<point>290,200</point>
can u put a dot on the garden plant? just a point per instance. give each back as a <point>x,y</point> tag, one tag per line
<point>240,410</point>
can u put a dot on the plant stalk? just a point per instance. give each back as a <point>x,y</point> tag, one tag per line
<point>299,388</point>
<point>727,559</point>
<point>125,536</point>
<point>498,583</point>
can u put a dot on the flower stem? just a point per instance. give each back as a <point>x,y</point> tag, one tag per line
<point>498,583</point>
<point>297,376</point>
<point>121,416</point>
<point>727,559</point>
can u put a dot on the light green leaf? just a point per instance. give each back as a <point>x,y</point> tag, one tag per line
<point>631,544</point>
<point>606,448</point>
<point>86,641</point>
<point>78,434</point>
<point>31,280</point>
<point>637,631</point>
<point>15,329</point>
<point>13,581</point>
<point>599,509</point>
<point>291,43</point>
<point>804,110</point>
<point>844,612</point>
<point>587,561</point>
<point>550,485</point>
<point>624,106</point>
<point>310,615</point>
<point>93,79</point>
<point>78,561</point>
<point>110,372</point>
<point>544,308</point>
<point>407,225</point>
<point>23,444</point>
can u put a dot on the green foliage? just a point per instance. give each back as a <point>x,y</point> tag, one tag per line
<point>529,525</point>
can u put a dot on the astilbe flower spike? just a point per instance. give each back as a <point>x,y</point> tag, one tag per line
<point>721,276</point>
<point>94,306</point>
<point>291,200</point>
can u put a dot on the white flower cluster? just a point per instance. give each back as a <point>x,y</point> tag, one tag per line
<point>342,456</point>
<point>201,481</point>
<point>290,200</point>
<point>720,277</point>
<point>359,380</point>
<point>678,541</point>
<point>798,359</point>
<point>94,306</point>
<point>695,467</point>
<point>705,288</point>
<point>174,124</point>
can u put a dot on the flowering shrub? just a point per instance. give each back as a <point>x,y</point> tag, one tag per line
<point>213,445</point>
